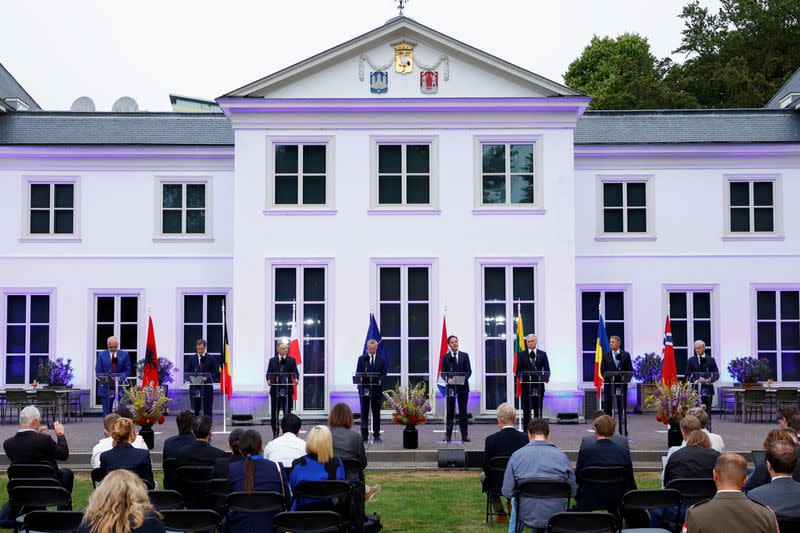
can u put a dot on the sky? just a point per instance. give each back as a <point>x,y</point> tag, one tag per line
<point>146,49</point>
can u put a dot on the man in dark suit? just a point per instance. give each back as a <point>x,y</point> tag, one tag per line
<point>31,444</point>
<point>615,360</point>
<point>455,361</point>
<point>111,360</point>
<point>702,362</point>
<point>502,443</point>
<point>782,494</point>
<point>603,453</point>
<point>616,438</point>
<point>204,363</point>
<point>533,360</point>
<point>123,456</point>
<point>280,397</point>
<point>200,452</point>
<point>371,403</point>
<point>183,438</point>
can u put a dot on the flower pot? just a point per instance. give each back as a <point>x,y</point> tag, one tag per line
<point>410,437</point>
<point>674,435</point>
<point>148,436</point>
<point>643,390</point>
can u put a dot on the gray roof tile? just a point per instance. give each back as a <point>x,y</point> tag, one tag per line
<point>10,88</point>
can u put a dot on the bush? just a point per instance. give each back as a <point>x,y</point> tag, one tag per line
<point>749,369</point>
<point>647,368</point>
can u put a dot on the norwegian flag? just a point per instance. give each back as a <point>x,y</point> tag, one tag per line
<point>669,372</point>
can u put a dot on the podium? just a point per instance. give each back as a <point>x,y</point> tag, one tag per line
<point>365,381</point>
<point>705,389</point>
<point>370,397</point>
<point>453,379</point>
<point>619,387</point>
<point>535,380</point>
<point>282,383</point>
<point>199,383</point>
<point>111,381</point>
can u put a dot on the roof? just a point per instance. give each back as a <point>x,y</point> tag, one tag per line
<point>792,85</point>
<point>10,88</point>
<point>697,126</point>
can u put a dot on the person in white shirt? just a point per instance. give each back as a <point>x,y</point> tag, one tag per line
<point>716,440</point>
<point>288,447</point>
<point>107,443</point>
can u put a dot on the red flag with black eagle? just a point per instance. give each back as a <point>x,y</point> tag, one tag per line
<point>150,373</point>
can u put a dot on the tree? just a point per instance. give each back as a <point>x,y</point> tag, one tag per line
<point>622,73</point>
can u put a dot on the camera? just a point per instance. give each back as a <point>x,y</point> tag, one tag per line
<point>50,425</point>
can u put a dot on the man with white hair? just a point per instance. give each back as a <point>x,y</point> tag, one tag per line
<point>112,360</point>
<point>371,397</point>
<point>702,362</point>
<point>32,444</point>
<point>280,397</point>
<point>532,360</point>
<point>502,443</point>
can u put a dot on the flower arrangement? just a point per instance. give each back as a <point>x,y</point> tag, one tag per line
<point>56,373</point>
<point>147,406</point>
<point>166,370</point>
<point>672,402</point>
<point>748,369</point>
<point>647,368</point>
<point>410,404</point>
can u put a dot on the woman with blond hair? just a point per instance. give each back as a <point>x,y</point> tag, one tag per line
<point>123,456</point>
<point>319,463</point>
<point>120,505</point>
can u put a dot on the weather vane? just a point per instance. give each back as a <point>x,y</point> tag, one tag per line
<point>401,5</point>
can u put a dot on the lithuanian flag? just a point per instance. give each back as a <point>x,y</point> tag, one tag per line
<point>519,348</point>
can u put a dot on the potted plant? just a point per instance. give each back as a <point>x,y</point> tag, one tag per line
<point>57,373</point>
<point>670,404</point>
<point>410,405</point>
<point>747,371</point>
<point>147,407</point>
<point>647,371</point>
<point>166,372</point>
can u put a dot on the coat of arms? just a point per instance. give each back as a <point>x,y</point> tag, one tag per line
<point>379,82</point>
<point>404,57</point>
<point>429,82</point>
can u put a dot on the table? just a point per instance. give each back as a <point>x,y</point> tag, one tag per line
<point>63,398</point>
<point>769,400</point>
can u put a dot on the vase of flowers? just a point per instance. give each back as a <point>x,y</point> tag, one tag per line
<point>56,373</point>
<point>670,404</point>
<point>166,372</point>
<point>410,406</point>
<point>647,371</point>
<point>748,371</point>
<point>147,407</point>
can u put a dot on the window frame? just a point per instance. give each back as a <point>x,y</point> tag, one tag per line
<point>777,288</point>
<point>538,205</point>
<point>714,342</point>
<point>227,292</point>
<point>52,348</point>
<point>625,235</point>
<point>52,180</point>
<point>432,207</point>
<point>628,335</point>
<point>183,180</point>
<point>329,207</point>
<point>777,208</point>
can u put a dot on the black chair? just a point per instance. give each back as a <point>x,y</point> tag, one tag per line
<point>693,491</point>
<point>24,499</point>
<point>544,489</point>
<point>497,469</point>
<point>170,468</point>
<point>47,401</point>
<point>52,521</point>
<point>217,490</point>
<point>353,470</point>
<point>192,483</point>
<point>611,480</point>
<point>97,476</point>
<point>165,499</point>
<point>582,523</point>
<point>788,525</point>
<point>31,470</point>
<point>32,482</point>
<point>16,399</point>
<point>759,456</point>
<point>255,502</point>
<point>307,522</point>
<point>754,402</point>
<point>324,496</point>
<point>647,500</point>
<point>196,520</point>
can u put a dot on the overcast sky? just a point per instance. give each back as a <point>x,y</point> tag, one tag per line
<point>60,50</point>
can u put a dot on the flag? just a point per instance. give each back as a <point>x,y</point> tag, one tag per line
<point>600,347</point>
<point>374,333</point>
<point>669,372</point>
<point>150,372</point>
<point>225,383</point>
<point>441,384</point>
<point>294,351</point>
<point>519,348</point>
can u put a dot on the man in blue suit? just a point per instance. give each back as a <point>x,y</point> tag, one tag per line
<point>207,364</point>
<point>372,363</point>
<point>458,362</point>
<point>111,360</point>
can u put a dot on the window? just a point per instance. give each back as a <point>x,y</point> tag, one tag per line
<point>300,291</point>
<point>504,288</point>
<point>183,209</point>
<point>404,317</point>
<point>752,206</point>
<point>613,302</point>
<point>690,319</point>
<point>404,174</point>
<point>507,173</point>
<point>625,207</point>
<point>778,332</point>
<point>300,175</point>
<point>52,209</point>
<point>202,319</point>
<point>118,316</point>
<point>28,336</point>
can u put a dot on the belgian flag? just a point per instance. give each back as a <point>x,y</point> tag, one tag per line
<point>225,385</point>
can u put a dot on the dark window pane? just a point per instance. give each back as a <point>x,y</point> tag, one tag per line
<point>134,357</point>
<point>680,360</point>
<point>196,195</point>
<point>521,158</point>
<point>285,284</point>
<point>772,361</point>
<point>618,329</point>
<point>521,189</point>
<point>40,309</point>
<point>15,339</point>
<point>494,283</point>
<point>171,222</point>
<point>495,355</point>
<point>389,284</point>
<point>314,393</point>
<point>314,356</point>
<point>130,309</point>
<point>286,190</point>
<point>588,336</point>
<point>40,339</point>
<point>103,332</point>
<point>637,221</point>
<point>418,351</point>
<point>762,193</point>
<point>677,305</point>
<point>15,370</point>
<point>314,284</point>
<point>286,159</point>
<point>495,391</point>
<point>740,193</point>
<point>390,320</point>
<point>64,195</point>
<point>192,309</point>
<point>36,367</point>
<point>390,190</point>
<point>418,320</point>
<point>767,338</point>
<point>392,381</point>
<point>195,221</point>
<point>790,365</point>
<point>680,334</point>
<point>763,219</point>
<point>418,190</point>
<point>588,366</point>
<point>313,190</point>
<point>612,220</point>
<point>129,336</point>
<point>190,336</point>
<point>494,158</point>
<point>523,283</point>
<point>740,219</point>
<point>283,321</point>
<point>414,380</point>
<point>40,195</point>
<point>495,320</point>
<point>314,320</point>
<point>528,322</point>
<point>590,303</point>
<point>615,306</point>
<point>417,283</point>
<point>702,304</point>
<point>314,159</point>
<point>105,308</point>
<point>214,339</point>
<point>702,331</point>
<point>392,351</point>
<point>389,159</point>
<point>612,195</point>
<point>214,308</point>
<point>790,305</point>
<point>63,222</point>
<point>418,159</point>
<point>637,195</point>
<point>40,222</point>
<point>494,190</point>
<point>790,336</point>
<point>173,195</point>
<point>765,305</point>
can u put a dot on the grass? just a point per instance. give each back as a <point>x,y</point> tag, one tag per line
<point>418,501</point>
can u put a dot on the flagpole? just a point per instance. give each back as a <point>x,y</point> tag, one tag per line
<point>444,398</point>
<point>225,365</point>
<point>599,397</point>
<point>513,379</point>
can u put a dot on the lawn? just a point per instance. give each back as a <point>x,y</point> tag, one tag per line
<point>419,501</point>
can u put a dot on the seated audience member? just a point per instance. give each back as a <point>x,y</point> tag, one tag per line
<point>183,438</point>
<point>794,423</point>
<point>785,413</point>
<point>32,444</point>
<point>538,459</point>
<point>791,432</point>
<point>782,493</point>
<point>254,473</point>
<point>200,452</point>
<point>589,439</point>
<point>222,464</point>
<point>320,464</point>
<point>761,474</point>
<point>716,440</point>
<point>502,443</point>
<point>123,456</point>
<point>730,510</point>
<point>687,424</point>
<point>288,447</point>
<point>347,444</point>
<point>696,460</point>
<point>107,443</point>
<point>603,453</point>
<point>120,504</point>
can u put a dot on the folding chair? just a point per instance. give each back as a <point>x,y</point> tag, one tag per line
<point>16,399</point>
<point>192,483</point>
<point>31,470</point>
<point>24,499</point>
<point>196,520</point>
<point>353,470</point>
<point>497,469</point>
<point>324,496</point>
<point>582,523</point>
<point>611,481</point>
<point>170,475</point>
<point>97,476</point>
<point>217,490</point>
<point>544,489</point>
<point>307,522</point>
<point>162,500</point>
<point>692,491</point>
<point>648,500</point>
<point>47,401</point>
<point>52,521</point>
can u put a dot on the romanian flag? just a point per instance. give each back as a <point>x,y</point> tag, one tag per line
<point>225,383</point>
<point>150,372</point>
<point>669,372</point>
<point>519,347</point>
<point>600,347</point>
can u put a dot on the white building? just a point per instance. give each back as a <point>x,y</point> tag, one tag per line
<point>407,172</point>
